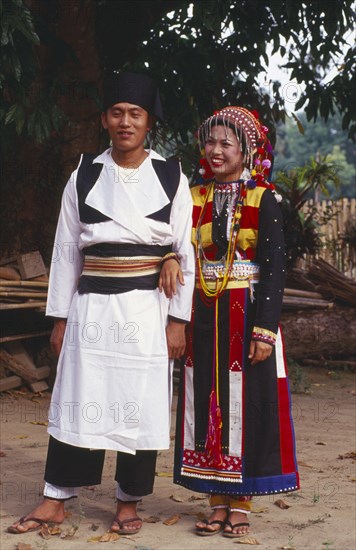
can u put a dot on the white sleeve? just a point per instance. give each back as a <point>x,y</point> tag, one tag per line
<point>181,221</point>
<point>67,259</point>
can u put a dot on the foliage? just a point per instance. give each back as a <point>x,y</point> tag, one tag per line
<point>207,54</point>
<point>301,225</point>
<point>204,54</point>
<point>31,93</point>
<point>294,148</point>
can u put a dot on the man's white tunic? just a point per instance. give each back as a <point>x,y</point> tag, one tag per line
<point>114,380</point>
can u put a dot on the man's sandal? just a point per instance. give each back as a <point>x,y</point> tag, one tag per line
<point>206,532</point>
<point>121,524</point>
<point>24,519</point>
<point>231,534</point>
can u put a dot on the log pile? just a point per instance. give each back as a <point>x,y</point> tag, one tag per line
<point>23,288</point>
<point>318,315</point>
<point>323,278</point>
<point>23,282</point>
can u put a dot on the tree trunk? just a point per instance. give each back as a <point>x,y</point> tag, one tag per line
<point>315,333</point>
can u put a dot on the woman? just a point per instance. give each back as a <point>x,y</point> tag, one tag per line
<point>234,428</point>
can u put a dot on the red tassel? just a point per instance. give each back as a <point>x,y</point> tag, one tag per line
<point>213,440</point>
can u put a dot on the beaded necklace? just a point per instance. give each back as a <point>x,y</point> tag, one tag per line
<point>232,243</point>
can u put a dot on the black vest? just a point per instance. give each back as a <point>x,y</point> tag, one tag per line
<point>167,171</point>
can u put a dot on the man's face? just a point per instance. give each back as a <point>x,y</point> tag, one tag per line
<point>127,125</point>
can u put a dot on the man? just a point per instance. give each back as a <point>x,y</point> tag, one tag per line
<point>124,213</point>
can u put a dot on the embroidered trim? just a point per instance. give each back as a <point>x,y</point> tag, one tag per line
<point>264,335</point>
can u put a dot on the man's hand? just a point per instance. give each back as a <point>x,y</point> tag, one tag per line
<point>170,272</point>
<point>57,335</point>
<point>259,351</point>
<point>175,339</point>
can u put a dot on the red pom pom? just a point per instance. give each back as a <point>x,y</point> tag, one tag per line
<point>260,150</point>
<point>255,114</point>
<point>208,172</point>
<point>202,191</point>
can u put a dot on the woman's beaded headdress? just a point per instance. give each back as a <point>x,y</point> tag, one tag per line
<point>250,133</point>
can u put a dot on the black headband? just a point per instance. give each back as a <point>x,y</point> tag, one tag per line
<point>137,89</point>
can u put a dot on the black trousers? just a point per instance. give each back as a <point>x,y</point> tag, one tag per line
<point>69,466</point>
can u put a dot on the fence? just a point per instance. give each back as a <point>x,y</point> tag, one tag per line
<point>337,233</point>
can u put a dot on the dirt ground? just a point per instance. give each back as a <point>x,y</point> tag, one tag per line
<point>320,516</point>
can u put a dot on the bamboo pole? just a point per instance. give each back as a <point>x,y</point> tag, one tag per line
<point>42,284</point>
<point>24,305</point>
<point>302,293</point>
<point>19,294</point>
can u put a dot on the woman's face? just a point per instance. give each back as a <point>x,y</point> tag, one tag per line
<point>223,154</point>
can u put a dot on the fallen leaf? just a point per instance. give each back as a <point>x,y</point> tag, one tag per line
<point>164,474</point>
<point>44,531</point>
<point>172,520</point>
<point>69,533</point>
<point>38,423</point>
<point>176,498</point>
<point>152,519</point>
<point>94,539</point>
<point>247,540</point>
<point>94,527</point>
<point>23,546</point>
<point>68,514</point>
<point>259,510</point>
<point>21,436</point>
<point>301,463</point>
<point>281,504</point>
<point>197,497</point>
<point>320,443</point>
<point>109,537</point>
<point>351,454</point>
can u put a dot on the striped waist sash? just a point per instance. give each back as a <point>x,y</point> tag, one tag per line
<point>111,268</point>
<point>119,266</point>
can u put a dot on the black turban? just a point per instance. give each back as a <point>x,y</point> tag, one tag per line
<point>137,89</point>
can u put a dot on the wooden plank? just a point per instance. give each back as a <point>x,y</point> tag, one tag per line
<point>16,358</point>
<point>24,336</point>
<point>39,386</point>
<point>43,372</point>
<point>31,265</point>
<point>9,260</point>
<point>10,382</point>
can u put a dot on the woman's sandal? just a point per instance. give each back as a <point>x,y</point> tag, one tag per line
<point>231,534</point>
<point>122,522</point>
<point>205,532</point>
<point>24,519</point>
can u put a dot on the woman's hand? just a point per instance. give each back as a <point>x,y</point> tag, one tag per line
<point>170,272</point>
<point>175,339</point>
<point>57,335</point>
<point>259,351</point>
